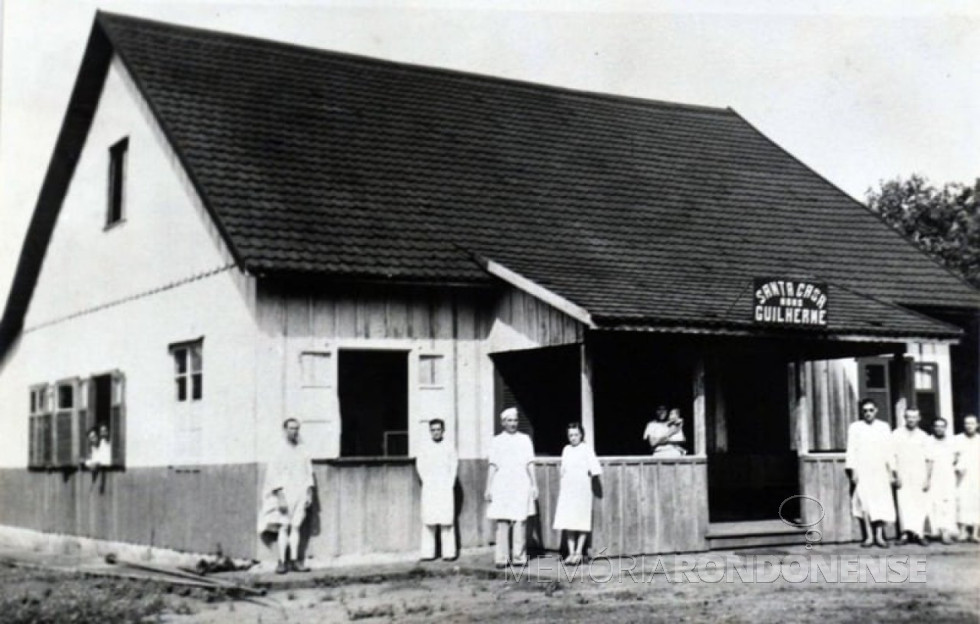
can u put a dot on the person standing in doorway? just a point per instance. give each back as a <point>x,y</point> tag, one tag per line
<point>910,445</point>
<point>437,464</point>
<point>287,495</point>
<point>511,489</point>
<point>942,483</point>
<point>98,455</point>
<point>105,446</point>
<point>868,466</point>
<point>573,513</point>
<point>968,475</point>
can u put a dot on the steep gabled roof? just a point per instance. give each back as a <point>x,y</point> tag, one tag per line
<point>641,212</point>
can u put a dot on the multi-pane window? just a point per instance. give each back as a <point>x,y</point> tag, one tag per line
<point>188,370</point>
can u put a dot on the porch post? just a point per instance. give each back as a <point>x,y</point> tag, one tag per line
<point>588,423</point>
<point>903,385</point>
<point>800,398</point>
<point>700,443</point>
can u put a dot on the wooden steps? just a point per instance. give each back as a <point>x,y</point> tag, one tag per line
<point>725,535</point>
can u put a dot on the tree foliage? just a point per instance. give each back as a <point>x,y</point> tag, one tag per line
<point>944,222</point>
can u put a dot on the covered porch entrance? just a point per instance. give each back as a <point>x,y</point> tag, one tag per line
<point>764,426</point>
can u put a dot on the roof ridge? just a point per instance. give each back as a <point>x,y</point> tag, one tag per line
<point>403,66</point>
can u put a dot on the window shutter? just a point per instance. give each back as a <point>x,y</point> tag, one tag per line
<point>117,423</point>
<point>46,458</point>
<point>33,438</point>
<point>63,439</point>
<point>82,425</point>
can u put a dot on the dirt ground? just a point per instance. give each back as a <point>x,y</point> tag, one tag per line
<point>950,593</point>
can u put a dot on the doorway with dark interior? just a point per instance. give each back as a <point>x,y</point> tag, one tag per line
<point>752,469</point>
<point>373,392</point>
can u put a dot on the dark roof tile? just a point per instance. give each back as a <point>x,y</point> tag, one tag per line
<point>319,162</point>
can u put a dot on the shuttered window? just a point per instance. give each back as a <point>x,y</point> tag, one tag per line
<point>65,416</point>
<point>61,414</point>
<point>117,419</point>
<point>39,428</point>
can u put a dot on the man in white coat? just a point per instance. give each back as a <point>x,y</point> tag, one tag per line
<point>287,494</point>
<point>437,464</point>
<point>868,465</point>
<point>910,445</point>
<point>968,487</point>
<point>942,483</point>
<point>511,489</point>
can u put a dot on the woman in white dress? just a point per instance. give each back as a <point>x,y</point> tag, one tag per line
<point>573,514</point>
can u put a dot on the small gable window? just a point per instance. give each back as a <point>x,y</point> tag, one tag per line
<point>188,370</point>
<point>117,181</point>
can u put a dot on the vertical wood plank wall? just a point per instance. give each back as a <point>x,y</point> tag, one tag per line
<point>823,479</point>
<point>648,506</point>
<point>442,323</point>
<point>372,506</point>
<point>197,510</point>
<point>832,403</point>
<point>524,322</point>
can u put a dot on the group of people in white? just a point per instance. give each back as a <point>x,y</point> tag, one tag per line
<point>511,492</point>
<point>935,478</point>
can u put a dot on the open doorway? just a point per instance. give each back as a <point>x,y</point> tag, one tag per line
<point>373,391</point>
<point>545,385</point>
<point>752,468</point>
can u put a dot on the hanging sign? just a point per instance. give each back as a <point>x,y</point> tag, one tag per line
<point>789,302</point>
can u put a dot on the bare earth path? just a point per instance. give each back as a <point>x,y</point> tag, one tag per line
<point>946,589</point>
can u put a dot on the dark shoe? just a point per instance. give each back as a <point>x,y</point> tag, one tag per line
<point>881,543</point>
<point>426,559</point>
<point>296,566</point>
<point>922,540</point>
<point>281,568</point>
<point>867,544</point>
<point>902,541</point>
<point>450,558</point>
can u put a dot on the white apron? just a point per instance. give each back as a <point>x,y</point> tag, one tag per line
<point>868,455</point>
<point>910,448</point>
<point>942,488</point>
<point>511,488</point>
<point>968,489</point>
<point>291,471</point>
<point>574,509</point>
<point>437,464</point>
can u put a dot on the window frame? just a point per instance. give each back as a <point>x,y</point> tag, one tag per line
<point>188,347</point>
<point>116,195</point>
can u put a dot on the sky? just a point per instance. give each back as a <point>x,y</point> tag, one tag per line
<point>861,91</point>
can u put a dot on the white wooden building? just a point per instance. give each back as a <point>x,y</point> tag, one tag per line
<point>233,231</point>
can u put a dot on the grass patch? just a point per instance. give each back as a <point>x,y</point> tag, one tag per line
<point>53,597</point>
